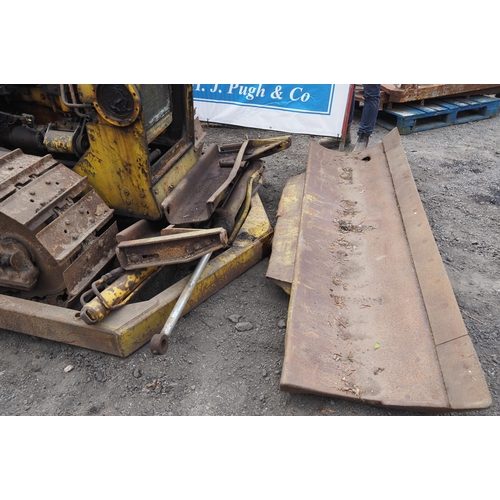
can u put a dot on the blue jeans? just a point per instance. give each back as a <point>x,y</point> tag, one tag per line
<point>371,95</point>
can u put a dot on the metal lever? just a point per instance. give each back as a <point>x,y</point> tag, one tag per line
<point>159,342</point>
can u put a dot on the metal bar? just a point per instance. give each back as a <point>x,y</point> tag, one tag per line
<point>159,342</point>
<point>171,248</point>
<point>186,293</point>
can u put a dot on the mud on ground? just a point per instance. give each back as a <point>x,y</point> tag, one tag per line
<point>216,366</point>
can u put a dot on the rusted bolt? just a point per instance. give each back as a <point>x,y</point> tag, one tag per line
<point>17,260</point>
<point>127,192</point>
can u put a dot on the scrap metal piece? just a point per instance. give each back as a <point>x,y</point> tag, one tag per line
<point>211,179</point>
<point>129,327</point>
<point>16,267</point>
<point>111,291</point>
<point>185,245</point>
<point>286,234</point>
<point>34,204</point>
<point>17,169</point>
<point>372,314</point>
<point>159,341</point>
<point>57,235</point>
<point>64,236</point>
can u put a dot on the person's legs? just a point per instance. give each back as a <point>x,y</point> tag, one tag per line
<point>371,94</point>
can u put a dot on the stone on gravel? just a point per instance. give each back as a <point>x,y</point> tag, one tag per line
<point>244,326</point>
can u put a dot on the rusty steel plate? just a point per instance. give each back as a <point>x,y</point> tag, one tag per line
<point>186,246</point>
<point>90,263</point>
<point>282,259</point>
<point>65,235</point>
<point>188,202</point>
<point>372,314</point>
<point>16,168</point>
<point>213,177</point>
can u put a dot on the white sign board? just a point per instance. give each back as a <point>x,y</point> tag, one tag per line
<point>316,109</point>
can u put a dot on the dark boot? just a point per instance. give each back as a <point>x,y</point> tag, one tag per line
<point>362,142</point>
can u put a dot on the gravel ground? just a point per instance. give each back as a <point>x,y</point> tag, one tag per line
<point>225,356</point>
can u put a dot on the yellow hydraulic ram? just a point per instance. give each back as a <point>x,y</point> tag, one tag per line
<point>116,295</point>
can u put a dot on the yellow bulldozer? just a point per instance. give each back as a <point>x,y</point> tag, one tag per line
<point>101,186</point>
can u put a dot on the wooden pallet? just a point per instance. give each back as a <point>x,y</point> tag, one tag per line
<point>410,92</point>
<point>435,113</point>
<point>391,93</point>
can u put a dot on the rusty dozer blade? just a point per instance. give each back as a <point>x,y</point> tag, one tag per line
<point>213,177</point>
<point>372,314</point>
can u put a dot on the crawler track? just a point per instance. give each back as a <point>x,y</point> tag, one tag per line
<point>56,234</point>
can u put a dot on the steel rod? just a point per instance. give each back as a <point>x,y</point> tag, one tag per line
<point>184,296</point>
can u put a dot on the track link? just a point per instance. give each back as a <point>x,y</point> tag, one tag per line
<point>56,233</point>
